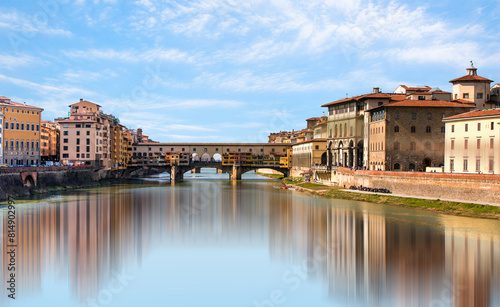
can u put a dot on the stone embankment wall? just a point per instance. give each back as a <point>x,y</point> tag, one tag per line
<point>467,187</point>
<point>11,183</point>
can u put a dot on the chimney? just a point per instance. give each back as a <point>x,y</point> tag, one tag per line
<point>81,99</point>
<point>376,90</point>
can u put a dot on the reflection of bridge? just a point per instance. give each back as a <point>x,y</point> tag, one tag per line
<point>232,158</point>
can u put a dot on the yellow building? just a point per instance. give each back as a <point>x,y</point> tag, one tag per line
<point>21,132</point>
<point>49,141</point>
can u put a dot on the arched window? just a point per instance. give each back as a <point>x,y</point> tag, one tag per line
<point>6,125</point>
<point>397,166</point>
<point>17,126</point>
<point>411,166</point>
<point>345,129</point>
<point>428,129</point>
<point>11,126</point>
<point>22,144</point>
<point>396,145</point>
<point>396,129</point>
<point>17,144</point>
<point>412,129</point>
<point>27,144</point>
<point>6,143</point>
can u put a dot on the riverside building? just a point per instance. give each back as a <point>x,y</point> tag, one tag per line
<point>473,142</point>
<point>21,133</point>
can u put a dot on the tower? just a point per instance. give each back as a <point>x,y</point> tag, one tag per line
<point>473,88</point>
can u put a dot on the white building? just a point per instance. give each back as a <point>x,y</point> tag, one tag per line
<point>472,142</point>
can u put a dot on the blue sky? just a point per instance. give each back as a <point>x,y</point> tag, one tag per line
<point>232,71</point>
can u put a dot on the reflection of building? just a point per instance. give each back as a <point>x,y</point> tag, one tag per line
<point>473,142</point>
<point>21,132</point>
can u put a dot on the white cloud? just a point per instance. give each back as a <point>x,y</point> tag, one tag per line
<point>134,56</point>
<point>13,61</point>
<point>29,25</point>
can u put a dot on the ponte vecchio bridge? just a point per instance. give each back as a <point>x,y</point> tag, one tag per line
<point>232,158</point>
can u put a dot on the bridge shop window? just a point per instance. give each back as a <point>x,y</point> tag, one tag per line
<point>182,149</point>
<point>161,149</point>
<point>262,150</point>
<point>172,149</point>
<point>194,149</point>
<point>250,149</point>
<point>228,150</point>
<point>205,149</point>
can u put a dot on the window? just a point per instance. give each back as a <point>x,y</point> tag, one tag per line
<point>466,95</point>
<point>77,148</point>
<point>316,147</point>
<point>452,165</point>
<point>478,126</point>
<point>397,166</point>
<point>65,133</point>
<point>37,127</point>
<point>466,144</point>
<point>442,129</point>
<point>77,132</point>
<point>412,129</point>
<point>452,128</point>
<point>442,116</point>
<point>429,116</point>
<point>78,125</point>
<point>396,129</point>
<point>452,144</point>
<point>6,125</point>
<point>396,145</point>
<point>65,140</point>
<point>88,126</point>
<point>492,126</point>
<point>22,126</point>
<point>478,143</point>
<point>428,129</point>
<point>396,116</point>
<point>490,166</point>
<point>88,141</point>
<point>65,155</point>
<point>78,155</point>
<point>88,132</point>
<point>32,127</point>
<point>413,146</point>
<point>478,165</point>
<point>421,97</point>
<point>413,115</point>
<point>479,95</point>
<point>17,126</point>
<point>88,149</point>
<point>65,147</point>
<point>492,143</point>
<point>466,127</point>
<point>466,166</point>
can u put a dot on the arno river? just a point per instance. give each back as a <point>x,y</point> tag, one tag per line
<point>207,242</point>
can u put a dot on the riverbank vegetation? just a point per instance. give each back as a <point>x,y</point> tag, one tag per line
<point>440,206</point>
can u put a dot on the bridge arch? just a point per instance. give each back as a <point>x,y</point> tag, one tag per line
<point>205,158</point>
<point>29,181</point>
<point>195,157</point>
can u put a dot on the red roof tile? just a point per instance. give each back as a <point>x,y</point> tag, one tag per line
<point>428,103</point>
<point>368,96</point>
<point>476,113</point>
<point>425,87</point>
<point>471,78</point>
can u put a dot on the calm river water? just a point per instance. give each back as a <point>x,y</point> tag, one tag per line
<point>214,242</point>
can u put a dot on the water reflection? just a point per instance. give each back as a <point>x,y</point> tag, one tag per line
<point>360,254</point>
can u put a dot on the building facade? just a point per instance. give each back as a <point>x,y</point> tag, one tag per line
<point>1,138</point>
<point>21,133</point>
<point>85,136</point>
<point>473,142</point>
<point>347,129</point>
<point>409,135</point>
<point>49,142</point>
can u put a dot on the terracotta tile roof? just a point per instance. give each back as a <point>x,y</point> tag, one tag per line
<point>477,113</point>
<point>420,93</point>
<point>471,78</point>
<point>463,101</point>
<point>313,118</point>
<point>368,96</point>
<point>440,92</point>
<point>15,104</point>
<point>498,84</point>
<point>427,104</point>
<point>416,87</point>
